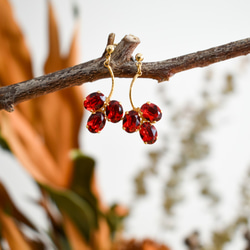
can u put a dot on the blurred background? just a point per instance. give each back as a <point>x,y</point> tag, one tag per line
<point>195,178</point>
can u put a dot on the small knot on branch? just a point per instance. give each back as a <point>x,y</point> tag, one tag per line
<point>122,64</point>
<point>9,107</point>
<point>124,50</point>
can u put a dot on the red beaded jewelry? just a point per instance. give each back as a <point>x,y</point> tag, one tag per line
<point>141,119</point>
<point>102,108</point>
<point>138,119</point>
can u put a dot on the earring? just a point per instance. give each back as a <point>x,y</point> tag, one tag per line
<point>100,106</point>
<point>141,119</point>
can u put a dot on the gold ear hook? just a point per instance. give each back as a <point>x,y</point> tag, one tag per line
<point>110,49</point>
<point>139,58</point>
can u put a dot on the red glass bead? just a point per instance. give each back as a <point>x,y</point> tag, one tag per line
<point>96,122</point>
<point>148,133</point>
<point>131,121</point>
<point>94,101</point>
<point>114,111</point>
<point>151,112</point>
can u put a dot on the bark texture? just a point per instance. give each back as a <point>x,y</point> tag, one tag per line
<point>123,65</point>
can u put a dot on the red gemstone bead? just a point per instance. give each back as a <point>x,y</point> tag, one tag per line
<point>96,122</point>
<point>114,111</point>
<point>151,112</point>
<point>131,121</point>
<point>148,133</point>
<point>94,101</point>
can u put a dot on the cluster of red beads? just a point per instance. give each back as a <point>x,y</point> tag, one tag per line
<point>141,120</point>
<point>101,110</point>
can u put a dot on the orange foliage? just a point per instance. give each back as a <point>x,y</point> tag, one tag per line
<point>15,63</point>
<point>133,244</point>
<point>42,132</point>
<point>12,233</point>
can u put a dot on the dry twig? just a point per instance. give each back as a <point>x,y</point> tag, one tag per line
<point>123,66</point>
<point>247,238</point>
<point>193,241</point>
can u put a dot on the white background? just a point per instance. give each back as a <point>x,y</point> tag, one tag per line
<point>166,29</point>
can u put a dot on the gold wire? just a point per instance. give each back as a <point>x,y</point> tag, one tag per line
<point>130,91</point>
<point>113,82</point>
<point>107,65</point>
<point>139,73</point>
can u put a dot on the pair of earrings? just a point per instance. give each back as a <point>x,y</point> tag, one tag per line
<point>103,108</point>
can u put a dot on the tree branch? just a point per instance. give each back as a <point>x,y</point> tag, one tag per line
<point>123,66</point>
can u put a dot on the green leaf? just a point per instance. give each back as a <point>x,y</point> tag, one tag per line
<point>115,221</point>
<point>82,178</point>
<point>83,172</point>
<point>57,234</point>
<point>64,244</point>
<point>3,144</point>
<point>78,209</point>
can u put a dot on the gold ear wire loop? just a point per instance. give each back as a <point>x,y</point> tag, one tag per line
<point>110,49</point>
<point>139,58</point>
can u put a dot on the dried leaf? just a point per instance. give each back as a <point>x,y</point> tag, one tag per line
<point>140,183</point>
<point>12,233</point>
<point>229,84</point>
<point>134,244</point>
<point>15,62</point>
<point>51,133</point>
<point>101,237</point>
<point>55,60</point>
<point>29,148</point>
<point>8,206</point>
<point>59,129</point>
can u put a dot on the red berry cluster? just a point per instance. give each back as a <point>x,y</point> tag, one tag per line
<point>141,120</point>
<point>101,109</point>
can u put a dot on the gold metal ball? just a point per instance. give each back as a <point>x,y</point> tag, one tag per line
<point>110,49</point>
<point>139,57</point>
